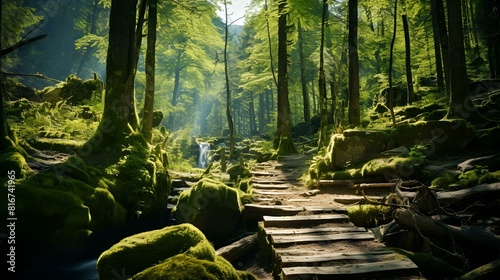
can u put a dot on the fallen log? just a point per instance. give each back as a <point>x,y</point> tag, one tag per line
<point>456,197</point>
<point>488,271</point>
<point>465,237</point>
<point>238,249</point>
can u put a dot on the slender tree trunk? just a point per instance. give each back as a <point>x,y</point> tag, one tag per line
<point>175,92</point>
<point>391,55</point>
<point>460,103</point>
<point>119,104</point>
<point>271,59</point>
<point>437,50</point>
<point>284,133</point>
<point>473,28</point>
<point>147,121</point>
<point>323,103</point>
<point>409,75</point>
<point>315,105</point>
<point>228,89</point>
<point>354,112</point>
<point>261,113</point>
<point>303,80</point>
<point>443,39</point>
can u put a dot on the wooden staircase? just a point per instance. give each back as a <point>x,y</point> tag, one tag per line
<point>301,238</point>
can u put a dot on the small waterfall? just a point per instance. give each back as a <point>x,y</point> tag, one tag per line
<point>203,158</point>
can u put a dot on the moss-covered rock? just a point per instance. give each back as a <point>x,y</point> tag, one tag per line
<point>211,206</point>
<point>445,137</point>
<point>186,267</point>
<point>141,251</point>
<point>355,146</point>
<point>74,89</point>
<point>368,215</point>
<point>392,167</point>
<point>13,160</point>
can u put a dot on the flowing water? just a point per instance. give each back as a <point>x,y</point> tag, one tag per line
<point>203,157</point>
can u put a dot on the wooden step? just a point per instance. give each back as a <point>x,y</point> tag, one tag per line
<point>351,271</point>
<point>323,209</point>
<point>262,173</point>
<point>351,199</point>
<point>258,211</point>
<point>320,237</point>
<point>270,186</point>
<point>271,192</point>
<point>287,261</point>
<point>303,220</point>
<point>289,231</point>
<point>277,182</point>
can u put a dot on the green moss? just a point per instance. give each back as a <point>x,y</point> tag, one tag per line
<point>141,251</point>
<point>14,160</point>
<point>368,215</point>
<point>186,267</point>
<point>207,192</point>
<point>392,166</point>
<point>443,182</point>
<point>489,178</point>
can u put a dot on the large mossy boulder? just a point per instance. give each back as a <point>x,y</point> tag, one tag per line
<point>211,206</point>
<point>444,137</point>
<point>355,146</point>
<point>143,250</point>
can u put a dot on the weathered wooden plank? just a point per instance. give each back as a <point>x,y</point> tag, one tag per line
<point>277,182</point>
<point>326,183</point>
<point>319,258</point>
<point>262,173</point>
<point>303,238</point>
<point>303,220</point>
<point>352,270</point>
<point>314,230</point>
<point>270,186</point>
<point>323,209</point>
<point>257,211</point>
<point>350,199</point>
<point>238,249</point>
<point>271,192</point>
<point>299,200</point>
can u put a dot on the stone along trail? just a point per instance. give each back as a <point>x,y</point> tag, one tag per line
<point>306,234</point>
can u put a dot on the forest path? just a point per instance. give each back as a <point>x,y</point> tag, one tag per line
<point>308,231</point>
<point>41,160</point>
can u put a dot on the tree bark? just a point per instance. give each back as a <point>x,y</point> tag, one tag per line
<point>284,132</point>
<point>119,106</point>
<point>409,75</point>
<point>323,104</point>
<point>391,56</point>
<point>147,121</point>
<point>303,80</point>
<point>437,50</point>
<point>460,103</point>
<point>175,92</point>
<point>354,112</point>
<point>443,40</point>
<point>228,90</point>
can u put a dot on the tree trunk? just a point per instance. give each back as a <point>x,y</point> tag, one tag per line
<point>303,81</point>
<point>261,113</point>
<point>443,40</point>
<point>284,133</point>
<point>147,120</point>
<point>409,75</point>
<point>391,56</point>
<point>437,50</point>
<point>323,128</point>
<point>271,59</point>
<point>175,92</point>
<point>354,113</point>
<point>460,103</point>
<point>228,90</point>
<point>119,105</point>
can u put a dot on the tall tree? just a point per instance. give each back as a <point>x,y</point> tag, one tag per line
<point>284,132</point>
<point>409,75</point>
<point>460,103</point>
<point>437,49</point>
<point>147,121</point>
<point>119,105</point>
<point>354,111</point>
<point>390,94</point>
<point>323,137</point>
<point>444,41</point>
<point>228,89</point>
<point>303,81</point>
